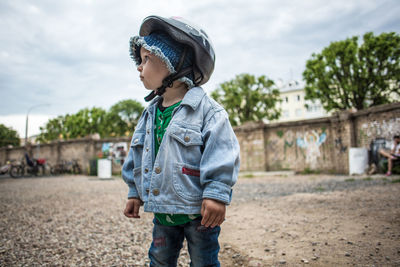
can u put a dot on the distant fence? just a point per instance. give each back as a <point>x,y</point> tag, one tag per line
<point>316,144</point>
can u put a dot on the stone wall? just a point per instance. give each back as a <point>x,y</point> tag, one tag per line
<point>316,144</point>
<point>83,149</point>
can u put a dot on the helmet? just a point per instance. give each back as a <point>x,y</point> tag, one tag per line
<point>186,33</point>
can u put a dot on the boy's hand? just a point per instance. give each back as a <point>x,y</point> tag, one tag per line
<point>132,208</point>
<point>213,212</point>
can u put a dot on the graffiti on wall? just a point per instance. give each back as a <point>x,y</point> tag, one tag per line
<point>308,143</point>
<point>385,128</point>
<point>288,141</point>
<point>311,141</point>
<point>339,145</point>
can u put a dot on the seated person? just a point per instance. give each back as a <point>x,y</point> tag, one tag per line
<point>394,153</point>
<point>28,160</point>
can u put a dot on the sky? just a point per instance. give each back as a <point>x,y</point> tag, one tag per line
<point>57,57</point>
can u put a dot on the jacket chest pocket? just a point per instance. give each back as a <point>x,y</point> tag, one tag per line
<point>137,146</point>
<point>188,142</point>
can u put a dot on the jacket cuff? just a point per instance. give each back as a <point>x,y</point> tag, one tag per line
<point>133,193</point>
<point>218,191</point>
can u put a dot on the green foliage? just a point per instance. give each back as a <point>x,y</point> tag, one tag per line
<point>319,189</point>
<point>347,75</point>
<point>8,136</point>
<point>309,171</point>
<point>247,98</point>
<point>129,110</point>
<point>120,120</point>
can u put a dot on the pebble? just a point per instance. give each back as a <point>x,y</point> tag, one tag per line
<point>282,261</point>
<point>304,261</point>
<point>347,254</point>
<point>254,263</point>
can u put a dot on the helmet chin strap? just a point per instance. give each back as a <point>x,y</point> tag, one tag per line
<point>169,80</point>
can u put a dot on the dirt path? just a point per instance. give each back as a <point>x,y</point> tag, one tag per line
<point>273,221</point>
<point>355,226</point>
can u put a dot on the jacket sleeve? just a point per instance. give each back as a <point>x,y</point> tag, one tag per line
<point>127,175</point>
<point>219,166</point>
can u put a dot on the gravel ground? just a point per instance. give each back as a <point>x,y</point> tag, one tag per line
<point>78,220</point>
<point>255,187</point>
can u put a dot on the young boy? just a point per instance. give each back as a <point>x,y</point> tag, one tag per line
<point>184,155</point>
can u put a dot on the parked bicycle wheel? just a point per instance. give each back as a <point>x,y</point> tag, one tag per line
<point>16,171</point>
<point>55,170</point>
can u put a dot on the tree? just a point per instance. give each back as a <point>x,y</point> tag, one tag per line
<point>247,98</point>
<point>53,130</point>
<point>347,75</point>
<point>8,136</point>
<point>120,120</point>
<point>129,110</point>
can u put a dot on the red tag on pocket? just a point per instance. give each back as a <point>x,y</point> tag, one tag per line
<point>190,172</point>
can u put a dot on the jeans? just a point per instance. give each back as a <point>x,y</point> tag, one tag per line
<point>167,242</point>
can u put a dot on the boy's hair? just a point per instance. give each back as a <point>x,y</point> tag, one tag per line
<point>396,137</point>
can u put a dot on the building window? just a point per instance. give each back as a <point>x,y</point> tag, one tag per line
<point>285,113</point>
<point>287,99</point>
<point>298,112</point>
<point>298,98</point>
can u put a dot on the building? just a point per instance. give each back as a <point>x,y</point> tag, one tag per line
<point>295,107</point>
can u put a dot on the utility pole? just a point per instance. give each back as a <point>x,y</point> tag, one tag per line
<point>26,124</point>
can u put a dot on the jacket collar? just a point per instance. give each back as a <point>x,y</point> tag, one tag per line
<point>192,98</point>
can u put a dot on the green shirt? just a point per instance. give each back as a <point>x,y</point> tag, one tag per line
<point>163,117</point>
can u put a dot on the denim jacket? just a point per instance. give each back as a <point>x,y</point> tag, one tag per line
<point>198,157</point>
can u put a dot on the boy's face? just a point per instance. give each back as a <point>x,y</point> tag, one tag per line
<point>152,70</point>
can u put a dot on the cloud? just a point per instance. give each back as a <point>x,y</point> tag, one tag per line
<point>74,54</point>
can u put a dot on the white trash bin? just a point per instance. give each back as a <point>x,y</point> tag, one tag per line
<point>358,160</point>
<point>104,168</point>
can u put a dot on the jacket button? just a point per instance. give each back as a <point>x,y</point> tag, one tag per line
<point>147,149</point>
<point>148,131</point>
<point>147,190</point>
<point>146,170</point>
<point>156,192</point>
<point>187,138</point>
<point>136,141</point>
<point>158,170</point>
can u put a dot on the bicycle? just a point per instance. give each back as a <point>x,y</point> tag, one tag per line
<point>33,167</point>
<point>63,166</point>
